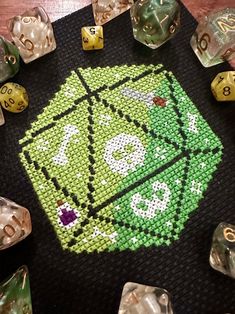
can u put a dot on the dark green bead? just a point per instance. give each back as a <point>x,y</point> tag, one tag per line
<point>9,59</point>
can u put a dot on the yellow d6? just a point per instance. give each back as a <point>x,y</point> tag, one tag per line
<point>223,86</point>
<point>92,38</point>
<point>13,97</point>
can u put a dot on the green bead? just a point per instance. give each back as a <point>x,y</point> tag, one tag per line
<point>15,297</point>
<point>155,21</point>
<point>9,60</point>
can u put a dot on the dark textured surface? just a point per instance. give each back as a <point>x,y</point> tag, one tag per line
<point>67,283</point>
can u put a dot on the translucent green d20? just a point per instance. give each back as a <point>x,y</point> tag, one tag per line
<point>15,297</point>
<point>112,168</point>
<point>9,60</point>
<point>155,21</point>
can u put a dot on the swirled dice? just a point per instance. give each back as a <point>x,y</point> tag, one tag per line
<point>214,39</point>
<point>9,59</point>
<point>155,21</point>
<point>222,255</point>
<point>32,33</point>
<point>15,223</point>
<point>223,86</point>
<point>142,299</point>
<point>13,97</point>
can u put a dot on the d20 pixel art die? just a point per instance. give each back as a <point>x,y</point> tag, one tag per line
<point>111,168</point>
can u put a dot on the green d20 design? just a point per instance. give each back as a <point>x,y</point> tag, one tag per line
<point>111,168</point>
<point>15,295</point>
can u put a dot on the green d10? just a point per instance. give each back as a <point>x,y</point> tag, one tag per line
<point>214,39</point>
<point>222,255</point>
<point>155,21</point>
<point>9,60</point>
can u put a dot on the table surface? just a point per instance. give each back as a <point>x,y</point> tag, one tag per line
<point>60,8</point>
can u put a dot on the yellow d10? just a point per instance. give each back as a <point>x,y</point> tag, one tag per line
<point>223,86</point>
<point>13,97</point>
<point>92,38</point>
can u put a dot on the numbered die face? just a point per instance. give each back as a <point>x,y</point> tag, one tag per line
<point>214,39</point>
<point>15,223</point>
<point>106,10</point>
<point>155,21</point>
<point>13,97</point>
<point>137,298</point>
<point>223,86</point>
<point>9,60</point>
<point>33,34</point>
<point>222,255</point>
<point>92,38</point>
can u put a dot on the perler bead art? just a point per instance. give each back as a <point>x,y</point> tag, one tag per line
<point>119,158</point>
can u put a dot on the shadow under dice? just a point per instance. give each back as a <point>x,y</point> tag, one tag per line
<point>15,223</point>
<point>9,60</point>
<point>141,299</point>
<point>155,21</point>
<point>222,255</point>
<point>32,33</point>
<point>214,39</point>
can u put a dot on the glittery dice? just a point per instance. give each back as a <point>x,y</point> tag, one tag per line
<point>9,60</point>
<point>141,299</point>
<point>13,97</point>
<point>92,38</point>
<point>15,223</point>
<point>155,21</point>
<point>222,255</point>
<point>106,10</point>
<point>223,86</point>
<point>2,120</point>
<point>214,39</point>
<point>15,293</point>
<point>32,33</point>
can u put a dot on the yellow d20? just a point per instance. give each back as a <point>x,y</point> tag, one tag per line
<point>92,38</point>
<point>223,86</point>
<point>13,97</point>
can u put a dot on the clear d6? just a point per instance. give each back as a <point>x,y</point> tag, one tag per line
<point>32,33</point>
<point>214,39</point>
<point>222,255</point>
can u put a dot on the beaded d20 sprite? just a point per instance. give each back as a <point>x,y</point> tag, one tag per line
<point>112,168</point>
